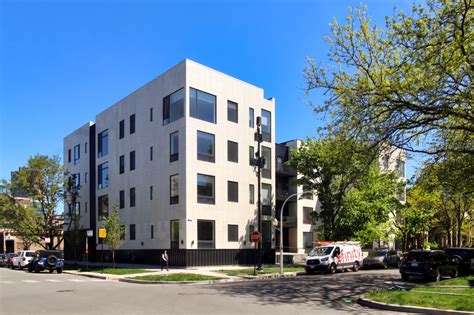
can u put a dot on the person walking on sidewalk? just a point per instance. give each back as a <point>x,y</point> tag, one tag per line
<point>164,260</point>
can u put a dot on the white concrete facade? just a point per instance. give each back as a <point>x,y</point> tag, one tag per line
<point>151,134</point>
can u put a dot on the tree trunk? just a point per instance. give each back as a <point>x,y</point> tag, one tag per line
<point>113,258</point>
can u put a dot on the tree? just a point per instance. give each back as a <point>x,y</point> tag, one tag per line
<point>353,193</point>
<point>115,232</point>
<point>42,180</point>
<point>74,233</point>
<point>409,84</point>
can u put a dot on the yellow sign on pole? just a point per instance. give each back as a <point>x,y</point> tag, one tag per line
<point>102,233</point>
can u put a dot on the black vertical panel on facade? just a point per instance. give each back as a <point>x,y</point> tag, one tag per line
<point>92,195</point>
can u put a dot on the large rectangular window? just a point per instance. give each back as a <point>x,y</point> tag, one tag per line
<point>132,197</point>
<point>122,164</point>
<point>251,117</point>
<point>266,199</point>
<point>266,125</point>
<point>103,206</point>
<point>122,199</point>
<point>132,160</point>
<point>103,174</point>
<point>232,233</point>
<point>77,180</point>
<point>103,143</point>
<point>174,189</point>
<point>251,194</point>
<point>232,191</point>
<point>132,123</point>
<point>205,189</point>
<point>174,146</point>
<point>232,111</point>
<point>205,146</point>
<point>132,232</point>
<point>206,234</point>
<point>77,154</point>
<point>121,129</point>
<point>267,168</point>
<point>307,215</point>
<point>232,151</point>
<point>202,105</point>
<point>173,107</point>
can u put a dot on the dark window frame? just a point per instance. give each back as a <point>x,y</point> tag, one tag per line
<point>133,232</point>
<point>205,243</point>
<point>267,135</point>
<point>122,129</point>
<point>174,156</point>
<point>101,211</point>
<point>232,232</point>
<point>168,110</point>
<point>121,164</point>
<point>230,158</point>
<point>232,196</point>
<point>174,199</point>
<point>194,112</point>
<point>77,154</point>
<point>202,156</point>
<point>132,161</point>
<point>132,197</point>
<point>101,181</point>
<point>231,112</point>
<point>121,199</point>
<point>205,198</point>
<point>251,117</point>
<point>103,146</point>
<point>132,124</point>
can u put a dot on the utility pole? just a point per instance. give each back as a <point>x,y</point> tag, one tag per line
<point>259,162</point>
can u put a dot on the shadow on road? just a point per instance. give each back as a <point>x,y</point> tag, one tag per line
<point>337,292</point>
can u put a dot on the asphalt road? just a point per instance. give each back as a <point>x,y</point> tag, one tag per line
<point>30,293</point>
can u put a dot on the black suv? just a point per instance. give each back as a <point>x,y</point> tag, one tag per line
<point>463,257</point>
<point>47,259</point>
<point>430,264</point>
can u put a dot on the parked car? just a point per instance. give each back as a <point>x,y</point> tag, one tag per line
<point>47,259</point>
<point>22,259</point>
<point>429,264</point>
<point>382,258</point>
<point>3,260</point>
<point>9,259</point>
<point>463,257</point>
<point>336,256</point>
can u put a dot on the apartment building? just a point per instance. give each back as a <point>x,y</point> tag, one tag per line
<point>174,158</point>
<point>299,232</point>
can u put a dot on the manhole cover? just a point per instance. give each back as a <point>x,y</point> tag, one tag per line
<point>62,291</point>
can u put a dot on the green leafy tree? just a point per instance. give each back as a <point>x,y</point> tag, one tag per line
<point>115,232</point>
<point>42,180</point>
<point>408,84</point>
<point>74,234</point>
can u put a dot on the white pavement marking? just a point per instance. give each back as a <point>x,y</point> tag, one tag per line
<point>77,280</point>
<point>30,281</point>
<point>54,280</point>
<point>7,282</point>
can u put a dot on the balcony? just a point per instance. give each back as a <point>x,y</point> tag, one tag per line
<point>289,221</point>
<point>284,170</point>
<point>282,194</point>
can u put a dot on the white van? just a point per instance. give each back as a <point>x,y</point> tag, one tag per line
<point>335,256</point>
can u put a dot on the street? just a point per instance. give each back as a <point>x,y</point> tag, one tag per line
<point>28,293</point>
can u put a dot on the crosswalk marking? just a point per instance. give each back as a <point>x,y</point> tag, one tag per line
<point>30,281</point>
<point>53,280</point>
<point>6,282</point>
<point>77,280</point>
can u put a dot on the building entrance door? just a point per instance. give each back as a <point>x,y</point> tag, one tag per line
<point>174,234</point>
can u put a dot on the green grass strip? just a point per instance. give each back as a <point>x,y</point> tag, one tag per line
<point>176,277</point>
<point>266,270</point>
<point>464,281</point>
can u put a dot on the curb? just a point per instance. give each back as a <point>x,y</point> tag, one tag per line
<point>175,282</point>
<point>408,308</point>
<point>270,276</point>
<point>88,275</point>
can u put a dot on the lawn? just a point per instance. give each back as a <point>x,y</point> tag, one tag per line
<point>468,281</point>
<point>266,270</point>
<point>176,277</point>
<point>108,270</point>
<point>430,297</point>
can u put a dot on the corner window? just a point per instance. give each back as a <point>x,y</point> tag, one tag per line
<point>205,234</point>
<point>132,197</point>
<point>174,189</point>
<point>103,174</point>
<point>77,154</point>
<point>205,146</point>
<point>103,206</point>
<point>132,232</point>
<point>205,189</point>
<point>232,233</point>
<point>232,191</point>
<point>122,199</point>
<point>103,143</point>
<point>132,124</point>
<point>266,125</point>
<point>232,111</point>
<point>267,168</point>
<point>174,146</point>
<point>266,199</point>
<point>232,151</point>
<point>132,160</point>
<point>202,105</point>
<point>121,164</point>
<point>173,107</point>
<point>121,129</point>
<point>251,117</point>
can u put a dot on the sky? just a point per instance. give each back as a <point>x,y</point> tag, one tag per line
<point>62,62</point>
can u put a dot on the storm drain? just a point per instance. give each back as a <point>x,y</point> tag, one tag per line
<point>63,291</point>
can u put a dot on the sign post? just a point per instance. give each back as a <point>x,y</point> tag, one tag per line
<point>89,233</point>
<point>255,238</point>
<point>102,235</point>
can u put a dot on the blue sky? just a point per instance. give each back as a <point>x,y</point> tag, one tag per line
<point>62,62</point>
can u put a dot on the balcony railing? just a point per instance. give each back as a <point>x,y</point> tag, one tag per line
<point>284,169</point>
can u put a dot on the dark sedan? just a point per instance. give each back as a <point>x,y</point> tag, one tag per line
<point>382,258</point>
<point>463,257</point>
<point>432,265</point>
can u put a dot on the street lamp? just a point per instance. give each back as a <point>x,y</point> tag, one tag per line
<point>259,162</point>
<point>281,224</point>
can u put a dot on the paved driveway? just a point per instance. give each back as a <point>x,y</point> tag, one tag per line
<point>28,293</point>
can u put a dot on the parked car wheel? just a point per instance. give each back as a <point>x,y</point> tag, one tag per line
<point>332,269</point>
<point>20,266</point>
<point>385,264</point>
<point>437,276</point>
<point>405,277</point>
<point>60,270</point>
<point>51,270</point>
<point>37,269</point>
<point>355,268</point>
<point>455,273</point>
